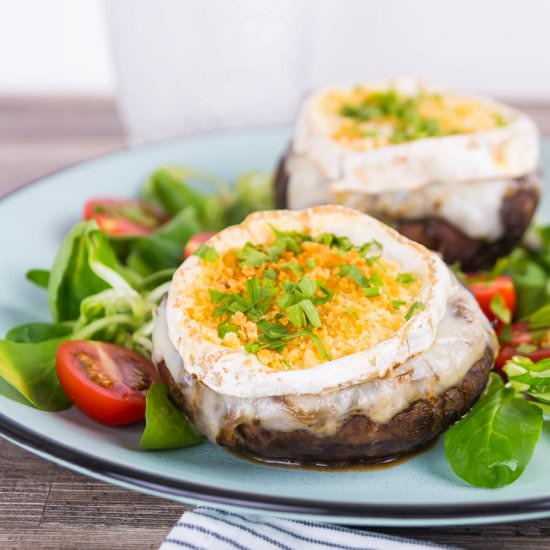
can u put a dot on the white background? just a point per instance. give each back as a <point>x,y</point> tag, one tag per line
<point>54,46</point>
<point>496,46</point>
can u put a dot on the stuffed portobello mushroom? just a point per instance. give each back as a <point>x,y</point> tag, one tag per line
<point>458,174</point>
<point>320,335</point>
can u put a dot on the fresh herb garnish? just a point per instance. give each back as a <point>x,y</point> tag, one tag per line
<point>330,239</point>
<point>403,110</point>
<point>303,314</point>
<point>251,255</point>
<point>207,253</point>
<point>270,274</point>
<point>225,328</point>
<point>256,255</point>
<point>371,252</point>
<point>405,278</point>
<point>276,336</point>
<point>417,306</point>
<point>372,291</point>
<point>371,285</point>
<point>311,263</point>
<point>397,304</point>
<point>354,273</point>
<point>254,303</point>
<point>294,267</point>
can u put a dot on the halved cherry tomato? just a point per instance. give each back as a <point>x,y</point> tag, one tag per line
<point>124,217</point>
<point>106,382</point>
<point>485,292</point>
<point>194,242</point>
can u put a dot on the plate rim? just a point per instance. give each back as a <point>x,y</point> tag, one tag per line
<point>191,491</point>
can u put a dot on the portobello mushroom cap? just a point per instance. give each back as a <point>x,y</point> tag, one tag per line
<point>373,419</point>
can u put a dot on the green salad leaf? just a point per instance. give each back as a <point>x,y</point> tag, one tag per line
<point>253,191</point>
<point>491,446</point>
<point>76,271</point>
<point>40,277</point>
<point>38,332</point>
<point>169,188</point>
<point>162,249</point>
<point>529,377</point>
<point>165,426</point>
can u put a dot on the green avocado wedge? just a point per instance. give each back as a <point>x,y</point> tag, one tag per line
<point>29,367</point>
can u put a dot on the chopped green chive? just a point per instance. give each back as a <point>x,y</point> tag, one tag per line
<point>354,273</point>
<point>405,278</point>
<point>417,306</point>
<point>404,110</point>
<point>225,328</point>
<point>372,291</point>
<point>500,120</point>
<point>293,267</point>
<point>311,263</point>
<point>207,253</point>
<point>252,347</point>
<point>251,255</point>
<point>270,274</point>
<point>254,303</point>
<point>397,304</point>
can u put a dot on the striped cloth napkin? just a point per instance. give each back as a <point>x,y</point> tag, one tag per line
<point>207,528</point>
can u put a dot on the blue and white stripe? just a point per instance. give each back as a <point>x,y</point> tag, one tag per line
<point>207,528</point>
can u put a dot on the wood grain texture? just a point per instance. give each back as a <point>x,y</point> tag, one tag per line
<point>45,506</point>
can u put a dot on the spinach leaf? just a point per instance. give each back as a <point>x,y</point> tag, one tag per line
<point>72,277</point>
<point>30,369</point>
<point>40,277</point>
<point>165,425</point>
<point>38,332</point>
<point>492,445</point>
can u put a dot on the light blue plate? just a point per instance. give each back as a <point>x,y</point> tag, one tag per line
<point>420,491</point>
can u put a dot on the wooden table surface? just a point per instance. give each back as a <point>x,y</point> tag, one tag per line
<point>45,506</point>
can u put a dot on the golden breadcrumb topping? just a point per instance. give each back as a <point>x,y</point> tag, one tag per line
<point>297,301</point>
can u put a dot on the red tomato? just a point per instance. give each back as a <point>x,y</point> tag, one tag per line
<point>194,242</point>
<point>124,217</point>
<point>485,291</point>
<point>106,382</point>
